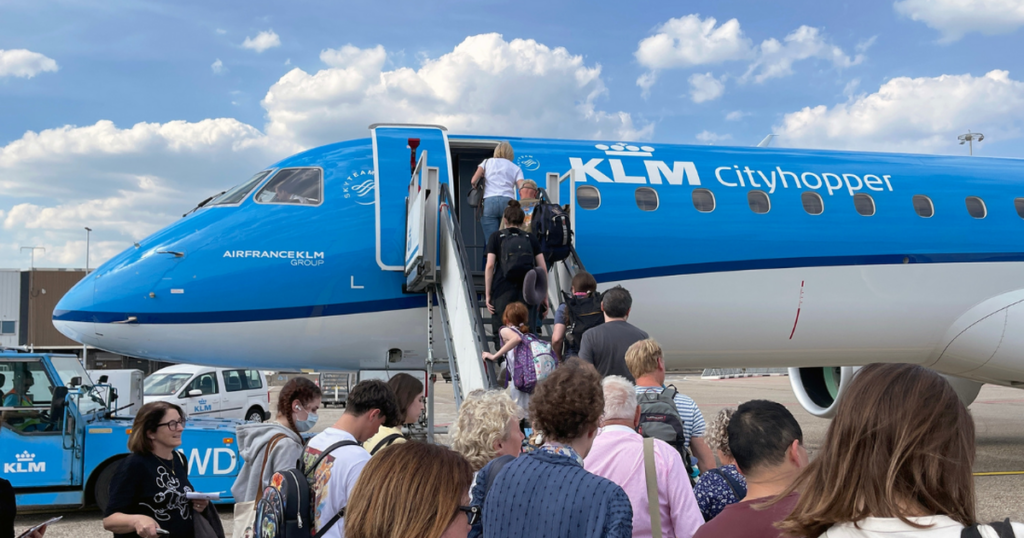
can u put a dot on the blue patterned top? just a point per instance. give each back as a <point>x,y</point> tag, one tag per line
<point>714,492</point>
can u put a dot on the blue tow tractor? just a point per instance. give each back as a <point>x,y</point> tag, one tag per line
<point>62,438</point>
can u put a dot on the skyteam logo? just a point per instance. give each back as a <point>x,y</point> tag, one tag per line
<point>358,187</point>
<point>528,163</point>
<point>26,463</point>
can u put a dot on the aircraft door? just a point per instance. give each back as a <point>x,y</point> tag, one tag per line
<point>393,161</point>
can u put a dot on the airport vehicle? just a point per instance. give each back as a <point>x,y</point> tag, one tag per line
<point>335,387</point>
<point>207,391</point>
<point>128,384</point>
<point>735,257</point>
<point>60,443</point>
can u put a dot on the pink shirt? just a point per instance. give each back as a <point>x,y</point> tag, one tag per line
<point>618,455</point>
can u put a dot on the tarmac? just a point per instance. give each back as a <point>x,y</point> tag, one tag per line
<point>998,414</point>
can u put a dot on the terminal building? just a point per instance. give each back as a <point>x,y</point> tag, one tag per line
<point>27,300</point>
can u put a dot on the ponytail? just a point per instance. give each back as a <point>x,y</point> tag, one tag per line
<point>514,215</point>
<point>516,315</point>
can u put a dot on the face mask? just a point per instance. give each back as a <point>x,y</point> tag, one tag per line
<point>306,425</point>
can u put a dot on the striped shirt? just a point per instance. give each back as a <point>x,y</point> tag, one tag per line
<point>693,420</point>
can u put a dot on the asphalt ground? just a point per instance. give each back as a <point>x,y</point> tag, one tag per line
<point>998,414</point>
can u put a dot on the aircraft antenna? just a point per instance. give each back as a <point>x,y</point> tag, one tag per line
<point>970,138</point>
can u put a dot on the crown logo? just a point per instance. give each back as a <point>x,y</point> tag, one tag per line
<point>622,149</point>
<point>25,457</point>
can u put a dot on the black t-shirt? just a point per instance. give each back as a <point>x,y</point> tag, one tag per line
<point>8,509</point>
<point>499,285</point>
<point>148,485</point>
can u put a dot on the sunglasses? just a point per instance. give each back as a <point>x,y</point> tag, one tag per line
<point>472,513</point>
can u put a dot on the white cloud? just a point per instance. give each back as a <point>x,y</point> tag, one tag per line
<point>262,41</point>
<point>217,67</point>
<point>24,63</point>
<point>221,31</point>
<point>736,115</point>
<point>851,87</point>
<point>776,59</point>
<point>922,115</point>
<point>705,87</point>
<point>485,85</point>
<point>688,41</point>
<point>955,18</point>
<point>708,137</point>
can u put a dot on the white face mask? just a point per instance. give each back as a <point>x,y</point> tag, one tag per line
<point>305,425</point>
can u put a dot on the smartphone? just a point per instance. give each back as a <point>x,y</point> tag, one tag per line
<point>39,526</point>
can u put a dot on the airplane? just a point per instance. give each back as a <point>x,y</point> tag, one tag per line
<point>820,261</point>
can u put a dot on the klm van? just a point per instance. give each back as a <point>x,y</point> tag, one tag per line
<point>204,391</point>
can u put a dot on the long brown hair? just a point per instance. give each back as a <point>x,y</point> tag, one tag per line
<point>409,489</point>
<point>901,442</point>
<point>147,420</point>
<point>297,388</point>
<point>407,388</point>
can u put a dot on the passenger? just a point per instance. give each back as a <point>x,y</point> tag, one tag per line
<point>571,321</point>
<point>270,447</point>
<point>147,494</point>
<point>645,361</point>
<point>618,455</point>
<point>768,446</point>
<point>529,197</point>
<point>725,485</point>
<point>370,403</point>
<point>548,492</point>
<point>605,346</point>
<point>411,490</point>
<point>409,394</point>
<point>487,428</point>
<point>511,335</point>
<point>896,461</point>
<point>511,253</point>
<point>500,175</point>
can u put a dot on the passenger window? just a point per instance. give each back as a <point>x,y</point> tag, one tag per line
<point>703,200</point>
<point>758,201</point>
<point>238,193</point>
<point>588,197</point>
<point>301,186</point>
<point>864,204</point>
<point>646,199</point>
<point>976,207</point>
<point>232,380</point>
<point>813,204</point>
<point>1018,203</point>
<point>923,206</point>
<point>206,383</point>
<point>253,379</point>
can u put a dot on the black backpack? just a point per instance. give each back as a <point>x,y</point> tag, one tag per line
<point>660,419</point>
<point>287,507</point>
<point>517,257</point>
<point>550,224</point>
<point>581,313</point>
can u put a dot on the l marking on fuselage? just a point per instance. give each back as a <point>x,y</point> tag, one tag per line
<point>353,284</point>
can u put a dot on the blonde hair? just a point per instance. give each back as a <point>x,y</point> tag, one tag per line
<point>642,357</point>
<point>410,489</point>
<point>504,151</point>
<point>483,421</point>
<point>718,431</point>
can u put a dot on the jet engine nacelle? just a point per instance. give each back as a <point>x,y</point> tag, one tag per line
<point>818,389</point>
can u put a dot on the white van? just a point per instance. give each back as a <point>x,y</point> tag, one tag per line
<point>211,392</point>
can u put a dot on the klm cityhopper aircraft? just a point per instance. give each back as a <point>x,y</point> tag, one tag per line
<point>735,257</point>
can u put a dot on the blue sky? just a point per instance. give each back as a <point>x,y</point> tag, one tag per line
<point>120,114</point>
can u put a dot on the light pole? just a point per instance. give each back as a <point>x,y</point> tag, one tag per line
<point>33,250</point>
<point>88,231</point>
<point>970,138</point>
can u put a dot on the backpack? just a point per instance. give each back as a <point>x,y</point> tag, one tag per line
<point>581,313</point>
<point>660,419</point>
<point>386,442</point>
<point>1001,528</point>
<point>287,509</point>
<point>533,362</point>
<point>517,257</point>
<point>552,227</point>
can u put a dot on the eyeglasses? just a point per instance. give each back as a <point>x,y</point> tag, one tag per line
<point>472,513</point>
<point>173,425</point>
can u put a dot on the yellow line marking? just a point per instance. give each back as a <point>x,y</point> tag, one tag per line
<point>999,473</point>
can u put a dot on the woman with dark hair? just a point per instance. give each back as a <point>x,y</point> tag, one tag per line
<point>511,335</point>
<point>412,490</point>
<point>547,492</point>
<point>269,447</point>
<point>511,253</point>
<point>147,494</point>
<point>409,393</point>
<point>897,460</point>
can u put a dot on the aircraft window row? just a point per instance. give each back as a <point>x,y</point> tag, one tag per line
<point>238,193</point>
<point>302,186</point>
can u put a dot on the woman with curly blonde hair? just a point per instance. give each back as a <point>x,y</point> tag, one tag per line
<point>487,427</point>
<point>718,488</point>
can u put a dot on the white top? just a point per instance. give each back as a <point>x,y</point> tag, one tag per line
<point>889,527</point>
<point>334,477</point>
<point>501,176</point>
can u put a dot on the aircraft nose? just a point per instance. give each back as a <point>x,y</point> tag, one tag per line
<point>72,315</point>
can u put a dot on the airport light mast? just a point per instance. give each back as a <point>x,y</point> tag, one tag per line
<point>970,138</point>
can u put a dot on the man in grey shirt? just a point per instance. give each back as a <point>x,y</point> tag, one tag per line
<point>605,346</point>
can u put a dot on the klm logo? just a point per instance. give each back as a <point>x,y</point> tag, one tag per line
<point>656,172</point>
<point>202,406</point>
<point>26,463</point>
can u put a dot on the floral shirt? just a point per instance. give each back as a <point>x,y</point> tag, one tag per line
<point>562,450</point>
<point>714,492</point>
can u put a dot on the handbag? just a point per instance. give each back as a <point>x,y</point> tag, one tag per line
<point>245,512</point>
<point>475,198</point>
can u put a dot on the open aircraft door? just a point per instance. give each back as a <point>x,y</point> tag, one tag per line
<point>394,159</point>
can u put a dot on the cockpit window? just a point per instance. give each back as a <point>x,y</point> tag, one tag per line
<point>303,186</point>
<point>238,192</point>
